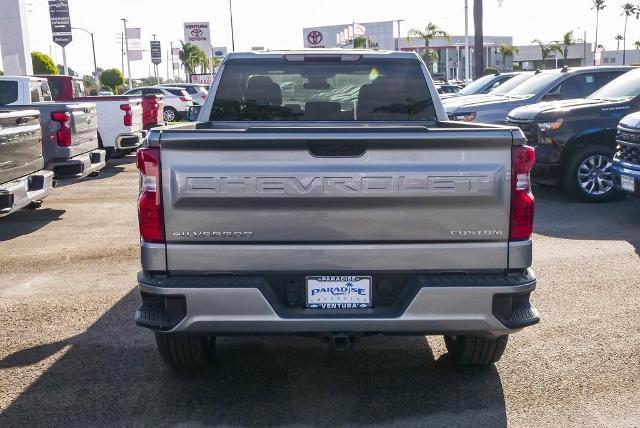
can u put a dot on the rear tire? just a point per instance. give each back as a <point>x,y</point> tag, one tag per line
<point>182,351</point>
<point>170,114</point>
<point>587,174</point>
<point>475,350</point>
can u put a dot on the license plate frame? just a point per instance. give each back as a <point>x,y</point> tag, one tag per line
<point>343,292</point>
<point>628,183</point>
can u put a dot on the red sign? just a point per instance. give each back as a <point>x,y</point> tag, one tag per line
<point>314,37</point>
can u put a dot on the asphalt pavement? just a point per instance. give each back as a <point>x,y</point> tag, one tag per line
<point>71,355</point>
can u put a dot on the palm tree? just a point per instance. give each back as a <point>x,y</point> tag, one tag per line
<point>508,51</point>
<point>598,5</point>
<point>430,32</point>
<point>547,49</point>
<point>567,40</point>
<point>193,57</point>
<point>636,44</point>
<point>628,9</point>
<point>478,39</point>
<point>618,39</point>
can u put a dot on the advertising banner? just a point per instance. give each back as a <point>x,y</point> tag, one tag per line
<point>135,44</point>
<point>156,52</point>
<point>175,58</point>
<point>60,21</point>
<point>199,34</point>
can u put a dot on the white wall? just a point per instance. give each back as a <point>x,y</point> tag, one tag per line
<point>14,38</point>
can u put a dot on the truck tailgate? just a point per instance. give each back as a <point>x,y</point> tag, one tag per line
<point>358,199</point>
<point>84,124</point>
<point>20,144</point>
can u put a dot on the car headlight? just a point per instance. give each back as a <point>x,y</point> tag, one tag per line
<point>551,126</point>
<point>464,117</point>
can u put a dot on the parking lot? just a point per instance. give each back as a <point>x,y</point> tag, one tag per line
<point>70,353</point>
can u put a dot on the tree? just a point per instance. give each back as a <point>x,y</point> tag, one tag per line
<point>619,39</point>
<point>112,78</point>
<point>361,42</point>
<point>61,70</point>
<point>1,73</point>
<point>636,44</point>
<point>193,57</point>
<point>628,9</point>
<point>598,5</point>
<point>43,64</point>
<point>507,51</point>
<point>547,49</point>
<point>567,40</point>
<point>430,32</point>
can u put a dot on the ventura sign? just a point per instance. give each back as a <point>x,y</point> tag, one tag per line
<point>199,34</point>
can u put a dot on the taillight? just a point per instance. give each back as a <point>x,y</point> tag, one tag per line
<point>128,115</point>
<point>150,202</point>
<point>522,200</point>
<point>64,132</point>
<point>186,99</point>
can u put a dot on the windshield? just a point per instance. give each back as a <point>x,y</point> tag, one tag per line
<point>625,86</point>
<point>327,90</point>
<point>533,85</point>
<point>477,85</point>
<point>511,84</point>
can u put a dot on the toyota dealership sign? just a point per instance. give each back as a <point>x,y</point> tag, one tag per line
<point>199,34</point>
<point>333,36</point>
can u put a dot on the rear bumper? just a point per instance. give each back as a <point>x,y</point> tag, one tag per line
<point>547,173</point>
<point>130,141</point>
<point>481,304</point>
<point>19,193</point>
<point>78,166</point>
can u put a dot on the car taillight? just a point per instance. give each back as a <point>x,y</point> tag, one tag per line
<point>522,200</point>
<point>128,115</point>
<point>150,200</point>
<point>64,132</point>
<point>186,99</point>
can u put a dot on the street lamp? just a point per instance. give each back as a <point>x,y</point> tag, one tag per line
<point>233,44</point>
<point>584,45</point>
<point>93,46</point>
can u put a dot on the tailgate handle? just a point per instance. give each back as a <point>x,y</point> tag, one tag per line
<point>337,149</point>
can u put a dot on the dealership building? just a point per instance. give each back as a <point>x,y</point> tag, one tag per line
<point>451,58</point>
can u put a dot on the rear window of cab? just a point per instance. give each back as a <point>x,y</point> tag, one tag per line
<point>277,89</point>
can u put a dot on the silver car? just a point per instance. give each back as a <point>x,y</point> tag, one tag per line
<point>552,85</point>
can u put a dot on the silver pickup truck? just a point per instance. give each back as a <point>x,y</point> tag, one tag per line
<point>23,183</point>
<point>276,213</point>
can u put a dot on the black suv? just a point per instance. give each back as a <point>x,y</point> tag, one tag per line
<point>575,140</point>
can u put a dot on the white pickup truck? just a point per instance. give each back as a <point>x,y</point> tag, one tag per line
<point>120,127</point>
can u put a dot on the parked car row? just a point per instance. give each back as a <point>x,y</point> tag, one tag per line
<point>51,130</point>
<point>571,117</point>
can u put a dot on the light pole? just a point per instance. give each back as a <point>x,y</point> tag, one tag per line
<point>398,42</point>
<point>126,42</point>
<point>233,44</point>
<point>584,46</point>
<point>93,47</point>
<point>467,63</point>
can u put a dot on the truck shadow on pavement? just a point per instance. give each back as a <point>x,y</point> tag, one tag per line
<point>27,221</point>
<point>111,375</point>
<point>560,217</point>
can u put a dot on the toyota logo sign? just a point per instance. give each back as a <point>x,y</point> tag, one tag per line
<point>314,37</point>
<point>196,32</point>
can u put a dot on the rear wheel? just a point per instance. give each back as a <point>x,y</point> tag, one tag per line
<point>170,114</point>
<point>185,351</point>
<point>475,350</point>
<point>588,174</point>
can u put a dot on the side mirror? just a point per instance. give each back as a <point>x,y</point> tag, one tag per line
<point>194,112</point>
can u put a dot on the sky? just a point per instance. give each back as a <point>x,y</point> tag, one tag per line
<point>277,24</point>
